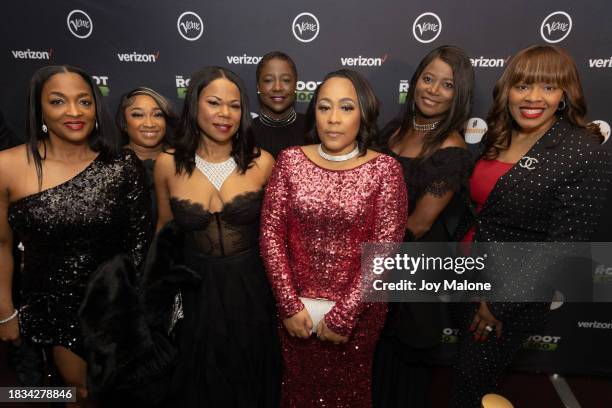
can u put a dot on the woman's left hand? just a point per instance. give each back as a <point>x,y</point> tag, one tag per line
<point>324,333</point>
<point>484,323</point>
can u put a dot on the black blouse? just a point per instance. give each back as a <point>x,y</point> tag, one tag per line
<point>275,139</point>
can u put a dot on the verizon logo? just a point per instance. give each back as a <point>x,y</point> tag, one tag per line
<point>600,63</point>
<point>35,55</point>
<point>136,57</point>
<point>595,325</point>
<point>363,61</point>
<point>243,59</point>
<point>488,62</point>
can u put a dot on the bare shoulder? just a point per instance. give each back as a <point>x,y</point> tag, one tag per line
<point>13,159</point>
<point>265,159</point>
<point>454,139</point>
<point>165,162</point>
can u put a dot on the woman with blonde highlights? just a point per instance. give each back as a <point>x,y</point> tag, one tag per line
<point>539,180</point>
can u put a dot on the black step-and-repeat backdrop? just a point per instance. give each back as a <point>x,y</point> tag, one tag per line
<point>158,43</point>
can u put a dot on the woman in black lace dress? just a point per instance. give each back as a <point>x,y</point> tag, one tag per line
<point>211,185</point>
<point>427,141</point>
<point>75,200</point>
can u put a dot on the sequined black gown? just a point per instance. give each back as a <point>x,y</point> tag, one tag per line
<point>67,232</point>
<point>229,355</point>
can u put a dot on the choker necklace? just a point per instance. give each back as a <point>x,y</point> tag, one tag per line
<point>340,158</point>
<point>282,122</point>
<point>424,128</point>
<point>216,173</point>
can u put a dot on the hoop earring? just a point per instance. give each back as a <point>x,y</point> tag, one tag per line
<point>562,108</point>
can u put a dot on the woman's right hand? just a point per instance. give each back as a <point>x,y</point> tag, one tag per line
<point>299,325</point>
<point>9,331</point>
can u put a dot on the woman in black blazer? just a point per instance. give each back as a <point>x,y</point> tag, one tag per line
<point>542,177</point>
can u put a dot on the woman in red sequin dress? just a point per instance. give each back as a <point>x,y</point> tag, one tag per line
<point>322,202</point>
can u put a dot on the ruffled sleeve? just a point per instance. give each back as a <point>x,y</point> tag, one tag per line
<point>445,170</point>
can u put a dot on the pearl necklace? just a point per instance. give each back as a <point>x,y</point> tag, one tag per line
<point>424,128</point>
<point>340,158</point>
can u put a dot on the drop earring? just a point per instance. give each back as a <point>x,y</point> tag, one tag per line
<point>44,128</point>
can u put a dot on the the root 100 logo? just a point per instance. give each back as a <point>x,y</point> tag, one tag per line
<point>403,90</point>
<point>102,82</point>
<point>542,343</point>
<point>450,336</point>
<point>181,86</point>
<point>305,90</point>
<point>603,274</point>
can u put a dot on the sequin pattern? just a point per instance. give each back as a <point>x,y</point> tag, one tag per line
<point>67,231</point>
<point>314,221</point>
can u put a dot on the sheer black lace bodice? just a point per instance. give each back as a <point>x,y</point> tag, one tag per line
<point>227,232</point>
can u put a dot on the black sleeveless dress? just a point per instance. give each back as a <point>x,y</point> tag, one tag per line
<point>229,354</point>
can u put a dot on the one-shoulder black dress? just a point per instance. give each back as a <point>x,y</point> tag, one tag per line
<point>69,230</point>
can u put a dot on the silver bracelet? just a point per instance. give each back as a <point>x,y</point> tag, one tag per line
<point>11,317</point>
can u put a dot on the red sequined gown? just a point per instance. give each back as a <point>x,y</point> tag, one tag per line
<point>314,221</point>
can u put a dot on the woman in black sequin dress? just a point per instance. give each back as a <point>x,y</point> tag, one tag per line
<point>145,119</point>
<point>211,186</point>
<point>75,200</point>
<point>427,140</point>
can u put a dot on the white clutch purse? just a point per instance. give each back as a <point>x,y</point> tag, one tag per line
<point>316,309</point>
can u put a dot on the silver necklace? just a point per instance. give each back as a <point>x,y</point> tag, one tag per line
<point>340,158</point>
<point>282,122</point>
<point>424,128</point>
<point>216,173</point>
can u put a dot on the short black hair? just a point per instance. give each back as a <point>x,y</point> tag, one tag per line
<point>275,55</point>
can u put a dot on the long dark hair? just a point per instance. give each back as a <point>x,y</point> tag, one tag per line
<point>539,63</point>
<point>368,105</point>
<point>461,105</point>
<point>127,99</point>
<point>188,135</point>
<point>103,138</point>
